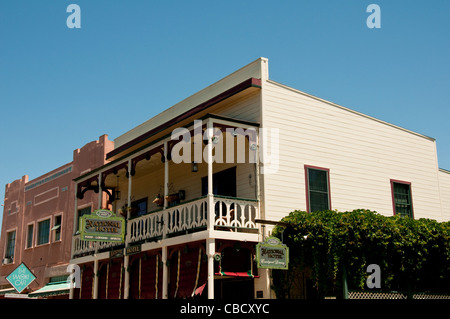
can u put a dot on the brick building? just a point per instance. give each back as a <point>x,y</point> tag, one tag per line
<point>38,221</point>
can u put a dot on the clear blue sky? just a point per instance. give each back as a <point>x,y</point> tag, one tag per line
<point>61,88</point>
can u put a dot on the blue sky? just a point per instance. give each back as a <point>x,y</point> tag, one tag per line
<point>61,88</point>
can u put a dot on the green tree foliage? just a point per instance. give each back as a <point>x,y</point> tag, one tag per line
<point>414,255</point>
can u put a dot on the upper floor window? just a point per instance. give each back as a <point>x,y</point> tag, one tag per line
<point>10,244</point>
<point>43,232</point>
<point>57,228</point>
<point>30,234</point>
<point>317,188</point>
<point>82,211</point>
<point>401,198</point>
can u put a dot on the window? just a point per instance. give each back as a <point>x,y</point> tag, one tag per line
<point>317,189</point>
<point>10,244</point>
<point>57,228</point>
<point>43,234</point>
<point>81,212</point>
<point>30,231</point>
<point>138,208</point>
<point>401,198</point>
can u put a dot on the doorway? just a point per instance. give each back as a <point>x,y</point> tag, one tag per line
<point>224,183</point>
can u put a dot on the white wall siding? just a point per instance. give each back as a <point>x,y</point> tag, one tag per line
<point>246,108</point>
<point>444,185</point>
<point>362,154</point>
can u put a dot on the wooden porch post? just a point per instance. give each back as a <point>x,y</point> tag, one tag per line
<point>166,174</point>
<point>126,259</point>
<point>210,242</point>
<point>165,273</point>
<point>75,222</point>
<point>95,285</point>
<point>211,214</point>
<point>210,251</point>
<point>100,191</point>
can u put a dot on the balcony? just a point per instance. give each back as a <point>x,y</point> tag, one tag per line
<point>230,215</point>
<point>215,155</point>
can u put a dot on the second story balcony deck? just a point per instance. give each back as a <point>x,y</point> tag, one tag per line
<point>170,202</point>
<point>233,215</point>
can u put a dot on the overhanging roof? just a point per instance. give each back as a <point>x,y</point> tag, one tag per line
<point>249,83</point>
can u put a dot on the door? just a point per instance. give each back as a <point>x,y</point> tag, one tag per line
<point>224,183</point>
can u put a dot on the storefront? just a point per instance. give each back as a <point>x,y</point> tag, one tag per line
<point>187,267</point>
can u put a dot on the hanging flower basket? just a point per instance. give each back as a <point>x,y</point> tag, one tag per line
<point>159,200</point>
<point>172,198</point>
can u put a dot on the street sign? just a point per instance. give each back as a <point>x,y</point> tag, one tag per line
<point>21,277</point>
<point>102,225</point>
<point>272,254</point>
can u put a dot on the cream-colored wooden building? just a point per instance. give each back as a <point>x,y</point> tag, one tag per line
<point>193,220</point>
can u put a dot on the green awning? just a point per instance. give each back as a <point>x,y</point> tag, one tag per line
<point>52,289</point>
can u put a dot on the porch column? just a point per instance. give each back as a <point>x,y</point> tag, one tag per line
<point>211,213</point>
<point>210,251</point>
<point>165,288</point>
<point>75,219</point>
<point>210,242</point>
<point>95,285</point>
<point>100,191</point>
<point>126,259</point>
<point>166,174</point>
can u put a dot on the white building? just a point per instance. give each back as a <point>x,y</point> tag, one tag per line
<point>306,154</point>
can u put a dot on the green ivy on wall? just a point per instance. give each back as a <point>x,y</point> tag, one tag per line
<point>413,255</point>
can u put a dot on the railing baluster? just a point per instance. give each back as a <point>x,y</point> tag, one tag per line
<point>233,213</point>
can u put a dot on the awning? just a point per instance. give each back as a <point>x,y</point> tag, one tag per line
<point>7,291</point>
<point>52,289</point>
<point>236,274</point>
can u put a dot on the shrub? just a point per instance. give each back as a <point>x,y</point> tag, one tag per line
<point>413,255</point>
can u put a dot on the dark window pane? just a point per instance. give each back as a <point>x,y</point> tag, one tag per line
<point>318,190</point>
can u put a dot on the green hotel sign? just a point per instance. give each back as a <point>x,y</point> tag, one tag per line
<point>102,225</point>
<point>272,254</point>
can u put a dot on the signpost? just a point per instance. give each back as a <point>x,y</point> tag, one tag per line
<point>20,278</point>
<point>102,225</point>
<point>272,254</point>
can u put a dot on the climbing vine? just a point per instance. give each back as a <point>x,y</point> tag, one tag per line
<point>413,255</point>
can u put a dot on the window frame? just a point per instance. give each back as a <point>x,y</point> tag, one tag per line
<point>5,252</point>
<point>307,190</point>
<point>54,231</point>
<point>33,224</point>
<point>396,181</point>
<point>38,222</point>
<point>79,209</point>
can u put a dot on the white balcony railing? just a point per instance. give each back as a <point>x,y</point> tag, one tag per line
<point>231,214</point>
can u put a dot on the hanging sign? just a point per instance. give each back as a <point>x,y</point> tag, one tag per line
<point>272,254</point>
<point>21,277</point>
<point>102,225</point>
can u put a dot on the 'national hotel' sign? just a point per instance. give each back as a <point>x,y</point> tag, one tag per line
<point>102,225</point>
